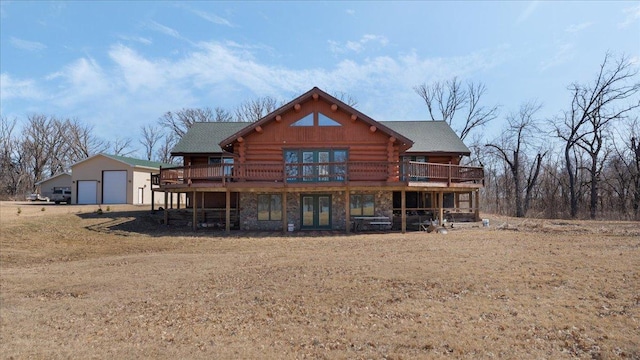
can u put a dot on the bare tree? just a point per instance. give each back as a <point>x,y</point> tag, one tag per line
<point>256,109</point>
<point>593,108</point>
<point>180,121</point>
<point>513,148</point>
<point>121,146</point>
<point>345,98</point>
<point>169,140</point>
<point>81,141</point>
<point>150,137</point>
<point>222,115</point>
<point>11,166</point>
<point>446,99</point>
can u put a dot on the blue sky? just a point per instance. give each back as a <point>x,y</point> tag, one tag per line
<point>120,65</point>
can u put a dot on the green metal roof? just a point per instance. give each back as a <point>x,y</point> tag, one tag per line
<point>205,137</point>
<point>429,136</point>
<point>138,162</point>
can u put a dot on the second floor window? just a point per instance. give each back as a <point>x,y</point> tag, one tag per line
<point>316,164</point>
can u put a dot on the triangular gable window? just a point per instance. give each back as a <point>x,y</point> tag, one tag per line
<point>324,120</point>
<point>305,121</point>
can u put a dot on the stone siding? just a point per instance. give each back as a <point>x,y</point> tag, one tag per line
<point>249,210</point>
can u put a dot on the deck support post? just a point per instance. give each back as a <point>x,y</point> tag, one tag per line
<point>441,208</point>
<point>227,214</point>
<point>347,209</point>
<point>166,211</point>
<point>178,200</point>
<point>194,205</point>
<point>403,210</point>
<point>285,221</point>
<point>476,205</point>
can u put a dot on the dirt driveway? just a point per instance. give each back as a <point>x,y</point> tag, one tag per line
<point>78,284</point>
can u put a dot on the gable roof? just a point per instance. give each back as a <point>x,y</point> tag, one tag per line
<point>315,92</point>
<point>204,137</point>
<point>427,136</point>
<point>430,136</point>
<point>133,162</point>
<point>52,177</point>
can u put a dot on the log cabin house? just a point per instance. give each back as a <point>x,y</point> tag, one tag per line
<point>317,163</point>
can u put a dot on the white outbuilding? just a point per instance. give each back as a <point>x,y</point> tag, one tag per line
<point>113,179</point>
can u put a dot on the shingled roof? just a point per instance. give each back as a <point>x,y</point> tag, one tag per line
<point>427,137</point>
<point>205,137</point>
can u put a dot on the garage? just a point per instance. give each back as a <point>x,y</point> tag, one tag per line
<point>87,192</point>
<point>114,187</point>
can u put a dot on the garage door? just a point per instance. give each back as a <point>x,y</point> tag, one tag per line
<point>114,187</point>
<point>87,192</point>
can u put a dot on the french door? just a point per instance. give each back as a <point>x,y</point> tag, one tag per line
<point>316,211</point>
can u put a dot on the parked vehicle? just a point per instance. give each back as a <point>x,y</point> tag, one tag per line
<point>61,195</point>
<point>36,197</point>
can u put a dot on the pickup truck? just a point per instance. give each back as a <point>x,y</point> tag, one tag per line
<point>61,195</point>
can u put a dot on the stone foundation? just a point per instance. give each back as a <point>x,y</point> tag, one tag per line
<point>249,210</point>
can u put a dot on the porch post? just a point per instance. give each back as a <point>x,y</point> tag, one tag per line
<point>227,226</point>
<point>441,205</point>
<point>347,209</point>
<point>153,198</point>
<point>403,210</point>
<point>171,201</point>
<point>194,205</point>
<point>178,200</point>
<point>285,220</point>
<point>166,211</point>
<point>476,205</point>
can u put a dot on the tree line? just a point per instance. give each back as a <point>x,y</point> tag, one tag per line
<point>584,162</point>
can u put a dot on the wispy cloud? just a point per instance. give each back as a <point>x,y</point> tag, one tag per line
<point>165,30</point>
<point>350,12</point>
<point>26,45</point>
<point>138,39</point>
<point>358,45</point>
<point>563,54</point>
<point>132,88</point>
<point>574,28</point>
<point>632,15</point>
<point>524,15</point>
<point>212,18</point>
<point>11,88</point>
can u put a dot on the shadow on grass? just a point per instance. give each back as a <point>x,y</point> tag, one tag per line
<point>150,223</point>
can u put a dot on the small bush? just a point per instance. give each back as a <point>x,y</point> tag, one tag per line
<point>19,211</point>
<point>43,209</point>
<point>108,208</point>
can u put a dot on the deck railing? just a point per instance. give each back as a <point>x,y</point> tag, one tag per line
<point>320,172</point>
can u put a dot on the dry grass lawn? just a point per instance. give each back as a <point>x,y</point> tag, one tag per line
<point>76,284</point>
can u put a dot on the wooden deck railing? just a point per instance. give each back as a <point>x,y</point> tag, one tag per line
<point>320,172</point>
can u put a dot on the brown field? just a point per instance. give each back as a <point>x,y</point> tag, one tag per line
<point>76,284</point>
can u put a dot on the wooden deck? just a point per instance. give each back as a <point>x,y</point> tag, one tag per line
<point>274,175</point>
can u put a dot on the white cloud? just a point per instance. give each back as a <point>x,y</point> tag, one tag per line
<point>212,18</point>
<point>138,39</point>
<point>32,46</point>
<point>135,89</point>
<point>524,15</point>
<point>350,12</point>
<point>358,45</point>
<point>11,88</point>
<point>574,28</point>
<point>632,15</point>
<point>164,30</point>
<point>563,54</point>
